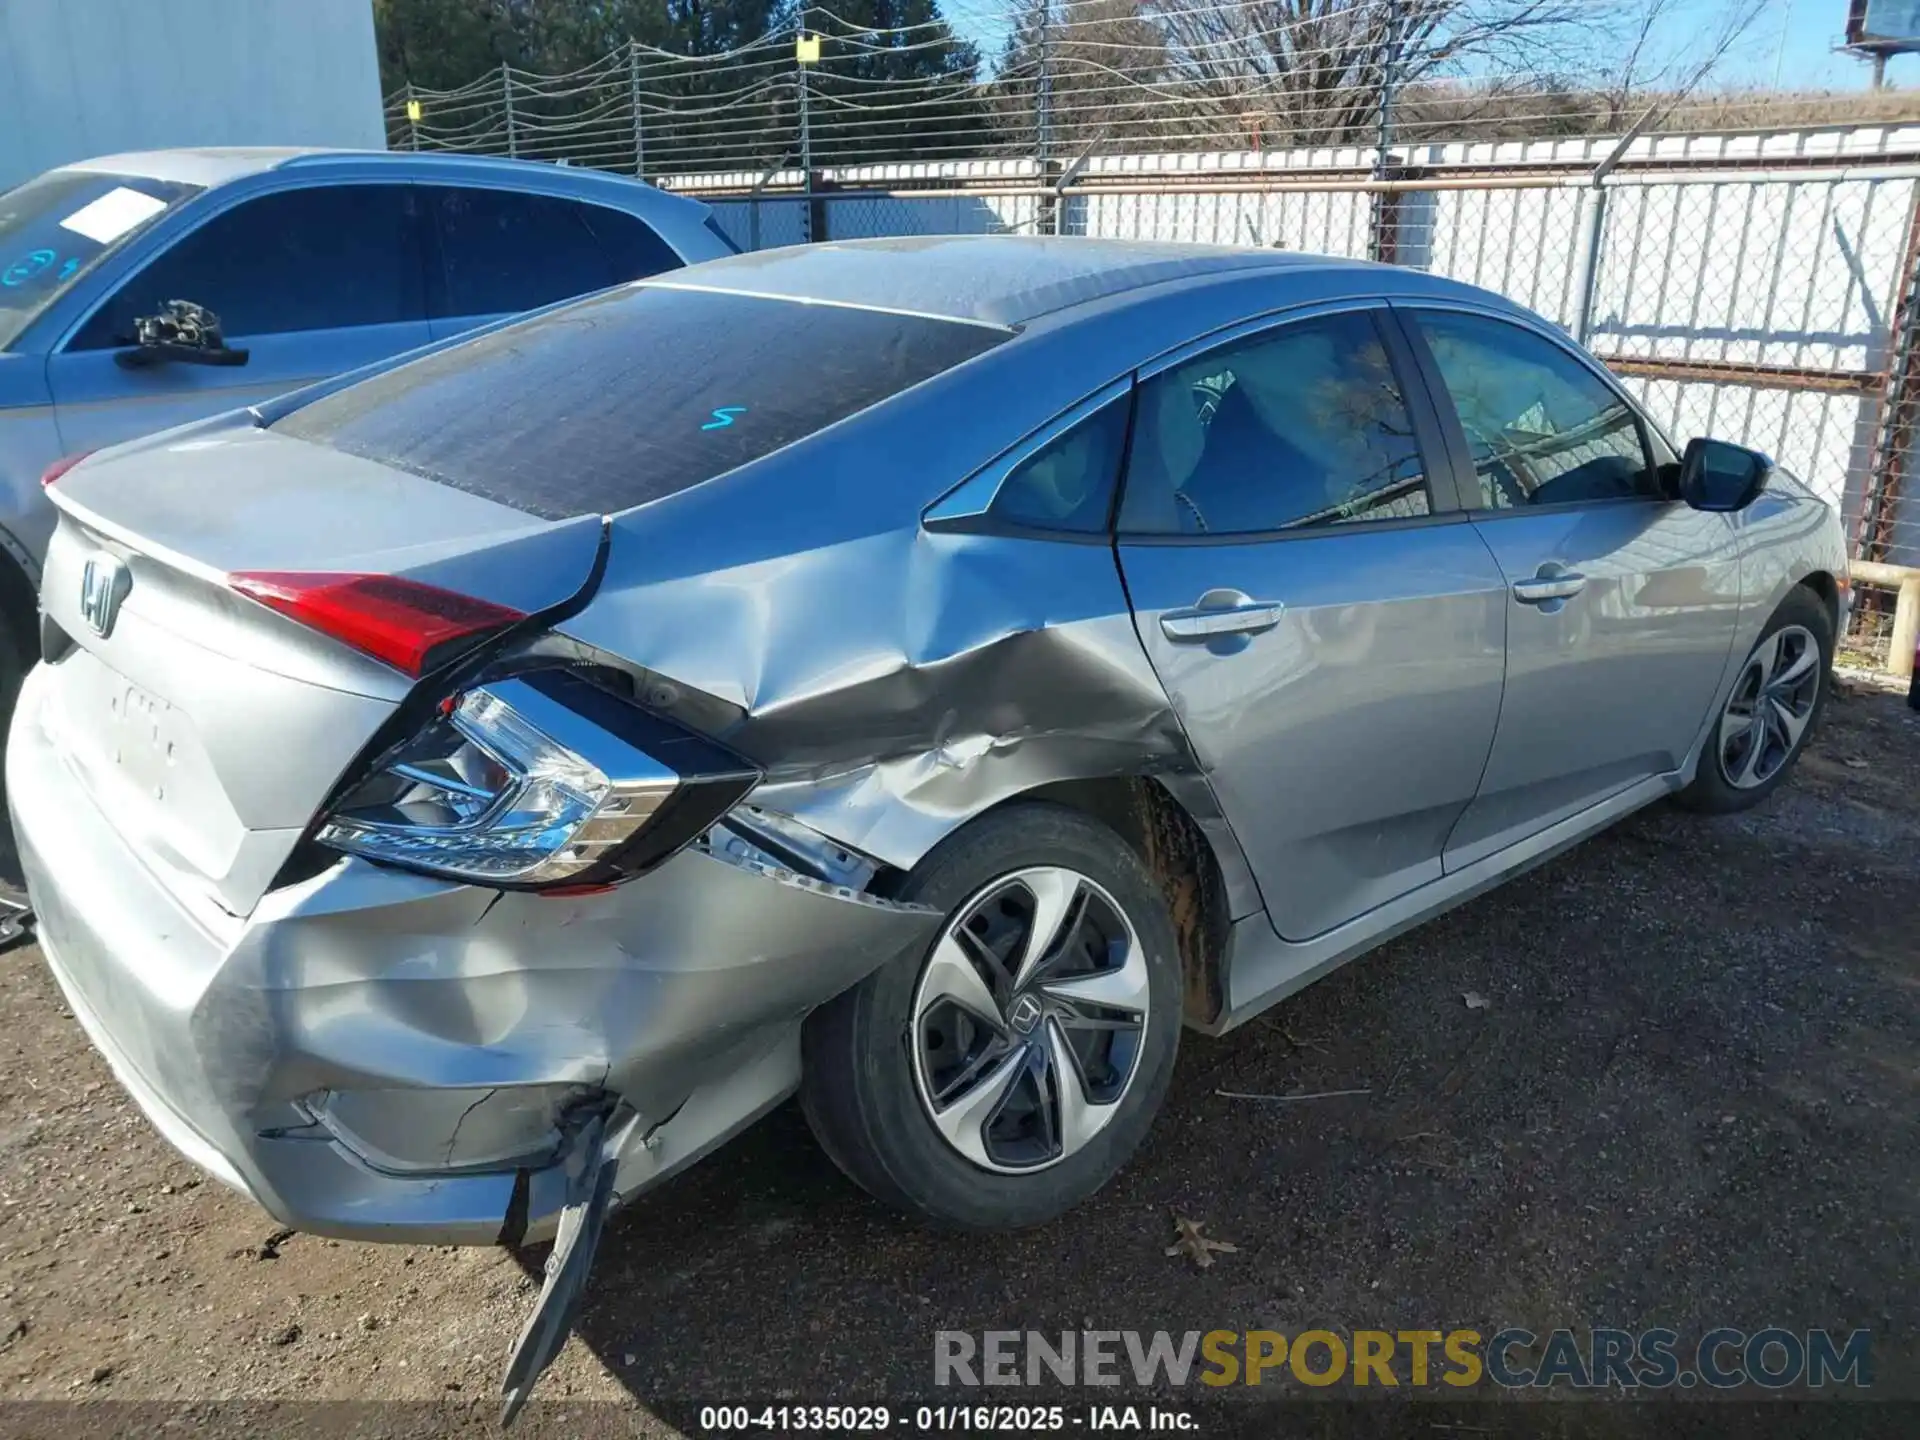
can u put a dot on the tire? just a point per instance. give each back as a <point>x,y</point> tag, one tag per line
<point>883,1058</point>
<point>1733,774</point>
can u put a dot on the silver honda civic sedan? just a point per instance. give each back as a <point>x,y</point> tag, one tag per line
<point>924,674</point>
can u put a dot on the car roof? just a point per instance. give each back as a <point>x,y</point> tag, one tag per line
<point>987,279</point>
<point>210,166</point>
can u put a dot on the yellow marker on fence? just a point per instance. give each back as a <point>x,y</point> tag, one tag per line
<point>413,111</point>
<point>806,49</point>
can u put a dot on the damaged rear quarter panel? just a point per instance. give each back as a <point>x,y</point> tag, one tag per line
<point>894,682</point>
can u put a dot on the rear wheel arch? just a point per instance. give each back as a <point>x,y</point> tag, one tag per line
<point>19,618</point>
<point>1828,589</point>
<point>1179,855</point>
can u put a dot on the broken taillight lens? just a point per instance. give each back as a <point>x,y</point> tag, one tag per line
<point>410,626</point>
<point>537,781</point>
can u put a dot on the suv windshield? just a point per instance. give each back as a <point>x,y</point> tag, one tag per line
<point>632,395</point>
<point>55,228</point>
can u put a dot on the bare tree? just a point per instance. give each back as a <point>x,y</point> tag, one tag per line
<point>1312,72</point>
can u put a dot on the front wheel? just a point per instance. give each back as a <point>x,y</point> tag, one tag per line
<point>1771,712</point>
<point>1002,1077</point>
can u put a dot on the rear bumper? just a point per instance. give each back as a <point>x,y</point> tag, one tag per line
<point>450,1026</point>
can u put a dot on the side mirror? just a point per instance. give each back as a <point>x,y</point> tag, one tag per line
<point>182,331</point>
<point>1717,475</point>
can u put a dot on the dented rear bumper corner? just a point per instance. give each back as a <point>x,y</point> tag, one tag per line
<point>381,1056</point>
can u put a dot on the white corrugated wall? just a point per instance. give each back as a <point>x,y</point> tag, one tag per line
<point>92,77</point>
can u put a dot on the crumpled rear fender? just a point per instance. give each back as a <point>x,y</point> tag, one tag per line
<point>896,684</point>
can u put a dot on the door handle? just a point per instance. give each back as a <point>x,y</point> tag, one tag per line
<point>1548,585</point>
<point>1221,613</point>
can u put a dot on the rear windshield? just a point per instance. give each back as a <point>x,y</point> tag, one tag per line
<point>56,228</point>
<point>632,395</point>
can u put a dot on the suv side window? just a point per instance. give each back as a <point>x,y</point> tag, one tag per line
<point>1067,484</point>
<point>1297,427</point>
<point>320,258</point>
<point>503,251</point>
<point>1542,427</point>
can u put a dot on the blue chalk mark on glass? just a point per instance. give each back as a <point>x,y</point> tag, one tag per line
<point>723,417</point>
<point>28,266</point>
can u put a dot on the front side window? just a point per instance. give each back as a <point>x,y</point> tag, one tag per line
<point>1067,484</point>
<point>1542,427</point>
<point>1294,428</point>
<point>322,258</point>
<point>57,227</point>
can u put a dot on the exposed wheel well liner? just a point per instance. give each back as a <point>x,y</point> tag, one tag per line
<point>1159,829</point>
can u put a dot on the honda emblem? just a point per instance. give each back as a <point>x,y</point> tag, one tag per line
<point>103,585</point>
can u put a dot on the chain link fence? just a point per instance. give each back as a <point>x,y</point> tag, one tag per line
<point>1761,286</point>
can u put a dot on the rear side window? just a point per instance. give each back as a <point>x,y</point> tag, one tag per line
<point>632,395</point>
<point>1068,483</point>
<point>320,258</point>
<point>502,251</point>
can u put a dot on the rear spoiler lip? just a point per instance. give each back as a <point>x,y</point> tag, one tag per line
<point>165,554</point>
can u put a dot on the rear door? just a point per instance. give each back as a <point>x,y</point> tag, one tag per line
<point>1621,601</point>
<point>311,282</point>
<point>499,252</point>
<point>1327,623</point>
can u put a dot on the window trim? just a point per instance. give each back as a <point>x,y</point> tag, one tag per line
<point>968,507</point>
<point>228,198</point>
<point>1429,436</point>
<point>1466,479</point>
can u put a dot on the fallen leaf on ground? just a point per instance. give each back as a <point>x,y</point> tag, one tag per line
<point>1854,762</point>
<point>1188,1241</point>
<point>1476,1001</point>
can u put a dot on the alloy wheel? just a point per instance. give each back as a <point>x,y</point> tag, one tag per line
<point>1028,1019</point>
<point>1770,708</point>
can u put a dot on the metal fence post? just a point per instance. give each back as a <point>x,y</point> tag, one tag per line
<point>1386,206</point>
<point>813,216</point>
<point>1893,436</point>
<point>412,112</point>
<point>633,102</point>
<point>506,100</point>
<point>1586,260</point>
<point>1052,209</point>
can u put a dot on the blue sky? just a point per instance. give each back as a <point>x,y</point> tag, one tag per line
<point>1798,37</point>
<point>1794,39</point>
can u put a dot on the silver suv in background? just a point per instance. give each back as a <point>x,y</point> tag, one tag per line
<point>312,263</point>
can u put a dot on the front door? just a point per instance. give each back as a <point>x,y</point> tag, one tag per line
<point>311,282</point>
<point>1327,623</point>
<point>1622,602</point>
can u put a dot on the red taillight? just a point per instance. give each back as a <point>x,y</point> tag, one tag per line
<point>399,621</point>
<point>60,467</point>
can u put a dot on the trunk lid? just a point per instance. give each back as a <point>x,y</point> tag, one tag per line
<point>208,727</point>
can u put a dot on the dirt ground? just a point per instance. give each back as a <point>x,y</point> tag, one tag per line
<point>1688,1099</point>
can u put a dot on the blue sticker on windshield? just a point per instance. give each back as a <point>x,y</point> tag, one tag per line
<point>723,417</point>
<point>24,269</point>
